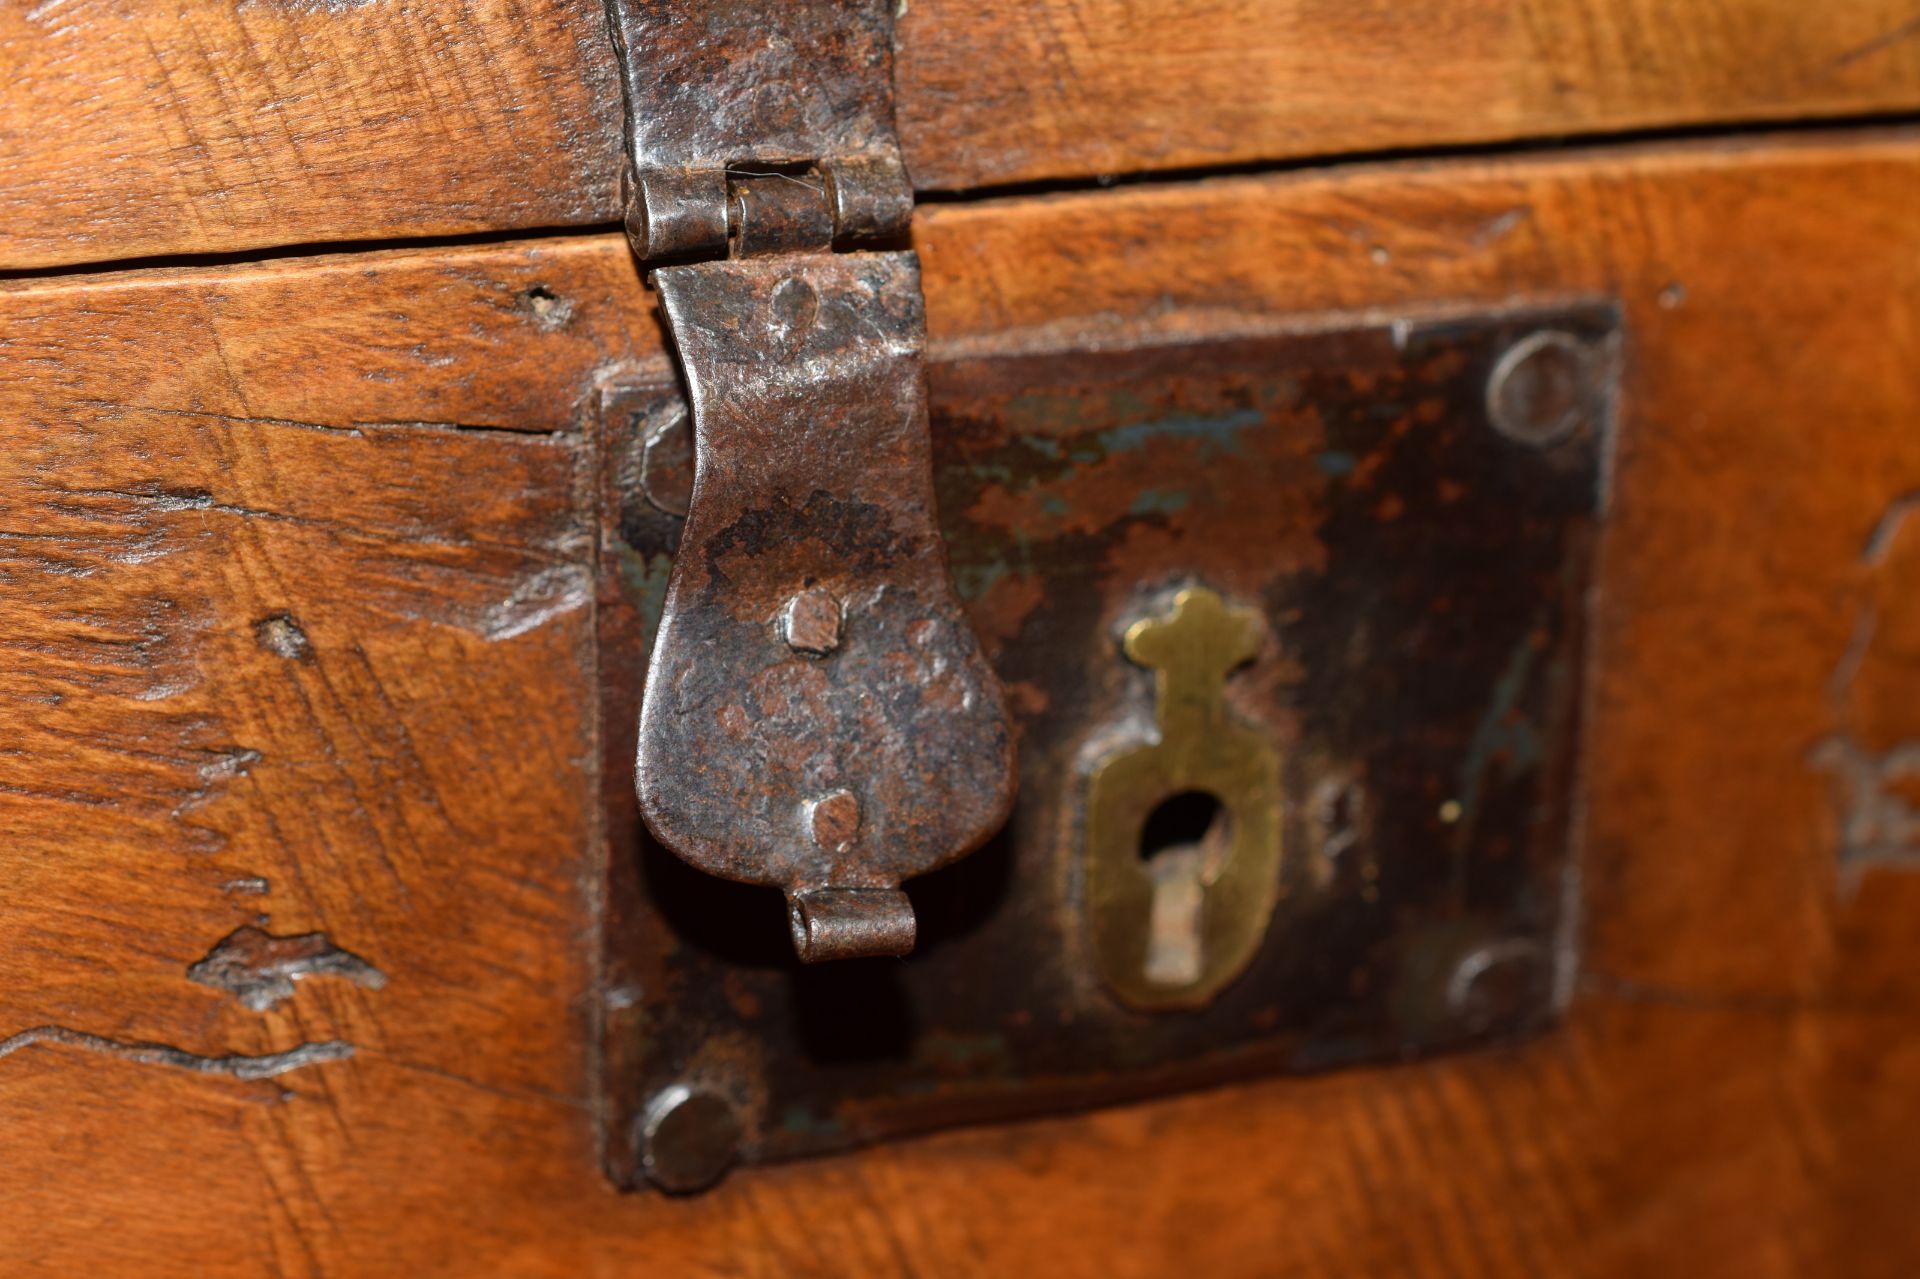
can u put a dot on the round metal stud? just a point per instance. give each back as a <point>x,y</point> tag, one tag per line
<point>689,1136</point>
<point>1540,391</point>
<point>1496,984</point>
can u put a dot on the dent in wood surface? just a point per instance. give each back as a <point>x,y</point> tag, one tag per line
<point>259,969</point>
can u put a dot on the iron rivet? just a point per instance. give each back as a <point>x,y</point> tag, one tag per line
<point>811,623</point>
<point>688,1137</point>
<point>795,308</point>
<point>835,820</point>
<point>1540,390</point>
<point>1494,986</point>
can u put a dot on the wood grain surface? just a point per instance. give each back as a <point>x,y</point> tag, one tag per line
<point>133,129</point>
<point>296,634</point>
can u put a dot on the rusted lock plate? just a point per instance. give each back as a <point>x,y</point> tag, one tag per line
<point>1349,567</point>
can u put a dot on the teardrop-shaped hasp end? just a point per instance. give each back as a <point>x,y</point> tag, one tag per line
<point>818,715</point>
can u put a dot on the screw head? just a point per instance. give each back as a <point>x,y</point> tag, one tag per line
<point>811,622</point>
<point>689,1136</point>
<point>1541,389</point>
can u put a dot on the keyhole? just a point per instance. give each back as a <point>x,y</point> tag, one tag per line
<point>1184,843</point>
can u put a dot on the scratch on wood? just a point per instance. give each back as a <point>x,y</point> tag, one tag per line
<point>1886,40</point>
<point>1763,1003</point>
<point>1499,228</point>
<point>1881,539</point>
<point>1873,788</point>
<point>1878,825</point>
<point>225,765</point>
<point>535,600</point>
<point>259,969</point>
<point>232,1065</point>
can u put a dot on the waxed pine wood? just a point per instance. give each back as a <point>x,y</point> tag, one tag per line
<point>384,452</point>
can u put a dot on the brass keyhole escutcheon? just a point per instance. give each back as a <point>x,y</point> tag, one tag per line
<point>1183,831</point>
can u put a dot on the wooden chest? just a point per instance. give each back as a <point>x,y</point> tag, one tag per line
<point>319,680</point>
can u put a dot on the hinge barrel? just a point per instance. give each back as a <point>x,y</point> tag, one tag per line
<point>720,87</point>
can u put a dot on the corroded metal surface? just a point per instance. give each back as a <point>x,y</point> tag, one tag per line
<point>1421,577</point>
<point>818,716</point>
<point>736,85</point>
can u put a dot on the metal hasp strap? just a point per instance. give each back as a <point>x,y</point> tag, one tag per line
<point>818,716</point>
